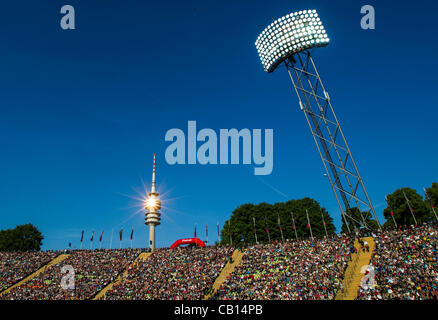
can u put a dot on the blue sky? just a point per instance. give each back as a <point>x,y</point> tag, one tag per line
<point>83,111</point>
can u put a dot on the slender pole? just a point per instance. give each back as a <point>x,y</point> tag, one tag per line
<point>392,211</point>
<point>218,233</point>
<point>206,232</point>
<point>279,225</point>
<point>120,237</point>
<point>229,232</point>
<point>82,237</point>
<point>308,223</point>
<point>255,231</point>
<point>323,222</point>
<point>430,203</point>
<point>349,152</point>
<point>410,208</point>
<point>317,119</point>
<point>293,225</point>
<point>267,229</point>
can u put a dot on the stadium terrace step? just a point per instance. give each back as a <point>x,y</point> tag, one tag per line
<point>353,275</point>
<point>142,256</point>
<point>58,259</point>
<point>226,271</point>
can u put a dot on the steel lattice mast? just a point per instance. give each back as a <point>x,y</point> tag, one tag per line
<point>289,40</point>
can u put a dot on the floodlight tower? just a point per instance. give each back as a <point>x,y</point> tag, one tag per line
<point>153,215</point>
<point>289,40</point>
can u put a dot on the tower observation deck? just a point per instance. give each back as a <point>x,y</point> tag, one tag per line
<point>153,206</point>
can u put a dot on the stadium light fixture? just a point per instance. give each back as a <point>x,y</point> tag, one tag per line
<point>288,35</point>
<point>289,40</point>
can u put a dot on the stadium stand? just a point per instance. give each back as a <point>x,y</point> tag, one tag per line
<point>93,271</point>
<point>355,271</point>
<point>15,266</point>
<point>175,274</point>
<point>405,265</point>
<point>225,273</point>
<point>289,270</point>
<point>404,261</point>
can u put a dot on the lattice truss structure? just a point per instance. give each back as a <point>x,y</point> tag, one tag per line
<point>332,146</point>
<point>289,40</point>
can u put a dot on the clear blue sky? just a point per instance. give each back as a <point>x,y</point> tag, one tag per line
<point>83,111</point>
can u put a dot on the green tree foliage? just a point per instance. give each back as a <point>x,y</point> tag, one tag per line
<point>402,214</point>
<point>241,225</point>
<point>355,221</point>
<point>432,193</point>
<point>22,238</point>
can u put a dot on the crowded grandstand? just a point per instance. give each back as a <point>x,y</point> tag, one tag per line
<point>404,261</point>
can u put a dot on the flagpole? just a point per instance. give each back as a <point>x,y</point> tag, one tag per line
<point>132,232</point>
<point>255,231</point>
<point>279,225</point>
<point>111,241</point>
<point>267,229</point>
<point>100,240</point>
<point>410,208</point>
<point>308,222</point>
<point>293,225</point>
<point>323,221</point>
<point>392,211</point>
<point>82,237</point>
<point>430,203</point>
<point>218,233</point>
<point>206,232</point>
<point>229,232</point>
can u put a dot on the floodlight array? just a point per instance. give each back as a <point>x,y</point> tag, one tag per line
<point>288,35</point>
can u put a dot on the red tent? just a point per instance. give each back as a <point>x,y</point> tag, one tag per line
<point>181,242</point>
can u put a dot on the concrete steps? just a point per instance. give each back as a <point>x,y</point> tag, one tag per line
<point>141,257</point>
<point>226,271</point>
<point>353,275</point>
<point>58,259</point>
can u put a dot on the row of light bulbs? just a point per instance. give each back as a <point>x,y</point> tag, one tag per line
<point>288,35</point>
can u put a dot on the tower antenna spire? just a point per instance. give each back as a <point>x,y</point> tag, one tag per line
<point>153,188</point>
<point>153,206</point>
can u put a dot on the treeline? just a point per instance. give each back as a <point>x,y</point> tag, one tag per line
<point>423,208</point>
<point>240,228</point>
<point>270,217</point>
<point>22,238</point>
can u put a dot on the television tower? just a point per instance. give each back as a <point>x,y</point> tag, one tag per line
<point>289,41</point>
<point>153,215</point>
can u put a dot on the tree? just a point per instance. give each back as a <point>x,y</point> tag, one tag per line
<point>432,194</point>
<point>241,224</point>
<point>25,237</point>
<point>402,213</point>
<point>355,221</point>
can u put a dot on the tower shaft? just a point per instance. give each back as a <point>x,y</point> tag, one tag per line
<point>332,146</point>
<point>153,206</point>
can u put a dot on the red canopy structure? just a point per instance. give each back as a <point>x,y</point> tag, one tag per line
<point>181,242</point>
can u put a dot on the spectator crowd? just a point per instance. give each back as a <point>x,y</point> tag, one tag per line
<point>302,270</point>
<point>93,270</point>
<point>405,265</point>
<point>14,266</point>
<point>173,274</point>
